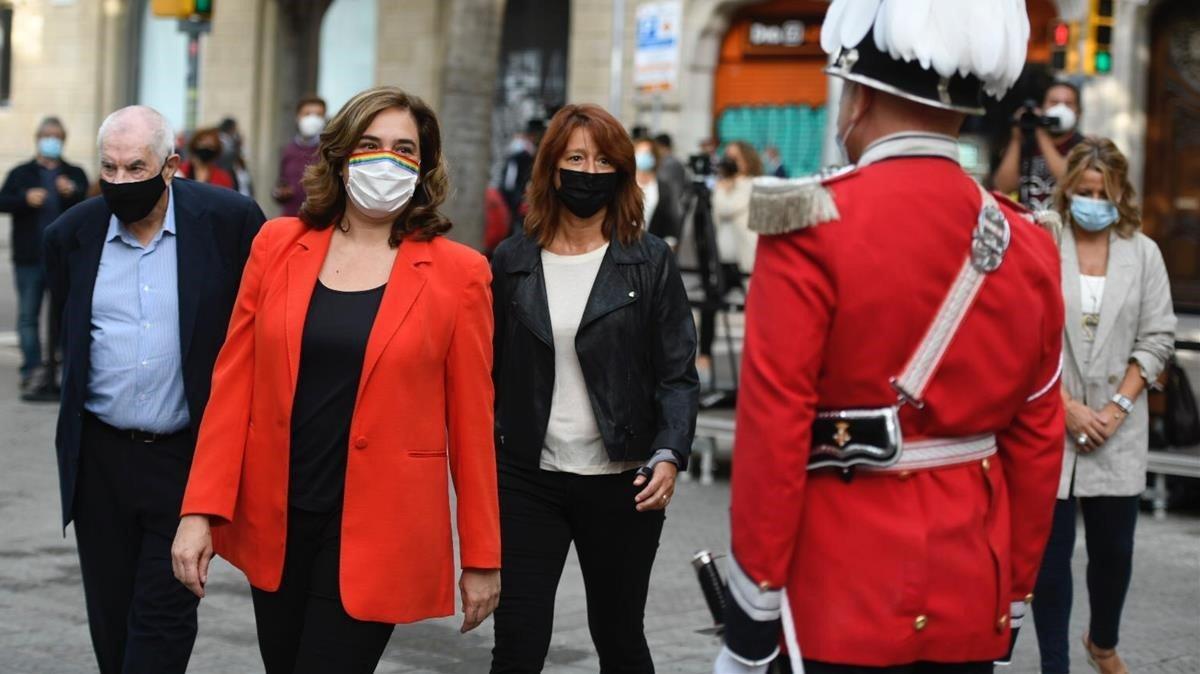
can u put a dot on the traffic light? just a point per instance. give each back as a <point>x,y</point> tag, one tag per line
<point>1063,56</point>
<point>183,9</point>
<point>1098,55</point>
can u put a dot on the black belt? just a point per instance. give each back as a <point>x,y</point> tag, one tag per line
<point>134,435</point>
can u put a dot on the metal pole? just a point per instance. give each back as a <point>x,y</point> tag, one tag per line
<point>616,80</point>
<point>193,77</point>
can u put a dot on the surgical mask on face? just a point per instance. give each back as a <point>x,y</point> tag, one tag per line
<point>381,182</point>
<point>1093,215</point>
<point>206,154</point>
<point>1065,115</point>
<point>584,194</point>
<point>645,161</point>
<point>842,138</point>
<point>49,147</point>
<point>311,125</point>
<point>131,202</point>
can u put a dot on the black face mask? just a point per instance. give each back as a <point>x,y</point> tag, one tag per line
<point>727,167</point>
<point>585,193</point>
<point>205,154</point>
<point>131,202</point>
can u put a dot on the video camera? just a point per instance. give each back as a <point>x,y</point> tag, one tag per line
<point>1029,120</point>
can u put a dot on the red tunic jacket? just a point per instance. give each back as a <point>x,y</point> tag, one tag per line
<point>890,569</point>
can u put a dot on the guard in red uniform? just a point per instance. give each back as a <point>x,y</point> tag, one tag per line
<point>899,423</point>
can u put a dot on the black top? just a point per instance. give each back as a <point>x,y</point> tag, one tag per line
<point>331,359</point>
<point>28,222</point>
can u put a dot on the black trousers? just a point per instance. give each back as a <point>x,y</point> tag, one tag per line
<point>541,514</point>
<point>126,511</point>
<point>814,667</point>
<point>303,627</point>
<point>1108,524</point>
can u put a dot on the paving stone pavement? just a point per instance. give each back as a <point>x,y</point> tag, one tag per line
<point>43,628</point>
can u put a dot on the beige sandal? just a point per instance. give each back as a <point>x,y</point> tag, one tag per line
<point>1103,660</point>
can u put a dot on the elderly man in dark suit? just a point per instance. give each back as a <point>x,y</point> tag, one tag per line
<point>147,274</point>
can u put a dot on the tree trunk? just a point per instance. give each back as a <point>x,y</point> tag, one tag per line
<point>299,54</point>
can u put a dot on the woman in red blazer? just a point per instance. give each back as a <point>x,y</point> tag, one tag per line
<point>357,365</point>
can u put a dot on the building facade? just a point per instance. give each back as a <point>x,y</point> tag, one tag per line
<point>82,59</point>
<point>747,69</point>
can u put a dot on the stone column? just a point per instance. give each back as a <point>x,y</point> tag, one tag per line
<point>468,82</point>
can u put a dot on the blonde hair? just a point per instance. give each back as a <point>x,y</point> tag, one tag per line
<point>1100,154</point>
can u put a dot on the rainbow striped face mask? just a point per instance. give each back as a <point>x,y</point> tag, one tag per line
<point>381,182</point>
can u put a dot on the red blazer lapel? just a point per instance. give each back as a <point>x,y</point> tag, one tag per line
<point>303,267</point>
<point>404,285</point>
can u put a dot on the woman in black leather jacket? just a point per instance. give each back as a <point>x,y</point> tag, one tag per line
<point>596,394</point>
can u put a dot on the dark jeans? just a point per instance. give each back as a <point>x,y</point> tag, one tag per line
<point>126,511</point>
<point>814,667</point>
<point>541,514</point>
<point>31,289</point>
<point>1108,524</point>
<point>731,278</point>
<point>303,627</point>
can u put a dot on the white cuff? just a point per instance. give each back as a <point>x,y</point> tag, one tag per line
<point>729,662</point>
<point>759,604</point>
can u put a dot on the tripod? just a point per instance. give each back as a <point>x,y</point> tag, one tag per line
<point>715,284</point>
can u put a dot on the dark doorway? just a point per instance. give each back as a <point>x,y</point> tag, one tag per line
<point>532,81</point>
<point>1172,198</point>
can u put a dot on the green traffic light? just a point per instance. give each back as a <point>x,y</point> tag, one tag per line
<point>1103,62</point>
<point>204,6</point>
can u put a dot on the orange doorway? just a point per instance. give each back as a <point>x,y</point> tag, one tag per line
<point>769,87</point>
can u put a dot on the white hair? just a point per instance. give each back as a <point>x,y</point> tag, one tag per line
<point>160,139</point>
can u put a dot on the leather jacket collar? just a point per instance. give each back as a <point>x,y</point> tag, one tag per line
<point>527,254</point>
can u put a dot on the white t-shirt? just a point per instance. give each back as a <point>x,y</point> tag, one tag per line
<point>573,443</point>
<point>649,200</point>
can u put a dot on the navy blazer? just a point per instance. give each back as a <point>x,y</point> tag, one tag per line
<point>214,228</point>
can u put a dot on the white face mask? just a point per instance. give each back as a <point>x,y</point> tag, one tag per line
<point>381,182</point>
<point>1065,115</point>
<point>843,137</point>
<point>311,125</point>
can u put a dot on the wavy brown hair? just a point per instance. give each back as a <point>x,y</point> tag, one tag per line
<point>750,157</point>
<point>1101,154</point>
<point>625,218</point>
<point>324,183</point>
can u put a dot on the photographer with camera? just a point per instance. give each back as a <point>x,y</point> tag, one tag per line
<point>1036,156</point>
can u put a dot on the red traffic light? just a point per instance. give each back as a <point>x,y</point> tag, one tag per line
<point>1062,35</point>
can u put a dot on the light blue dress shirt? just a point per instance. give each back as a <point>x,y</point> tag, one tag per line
<point>135,381</point>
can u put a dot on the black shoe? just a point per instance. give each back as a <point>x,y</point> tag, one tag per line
<point>42,394</point>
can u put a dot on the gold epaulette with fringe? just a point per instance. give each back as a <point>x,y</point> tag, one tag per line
<point>782,205</point>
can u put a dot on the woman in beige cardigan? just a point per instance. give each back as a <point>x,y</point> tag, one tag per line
<point>1120,331</point>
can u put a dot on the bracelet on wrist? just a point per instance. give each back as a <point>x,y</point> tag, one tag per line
<point>1123,402</point>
